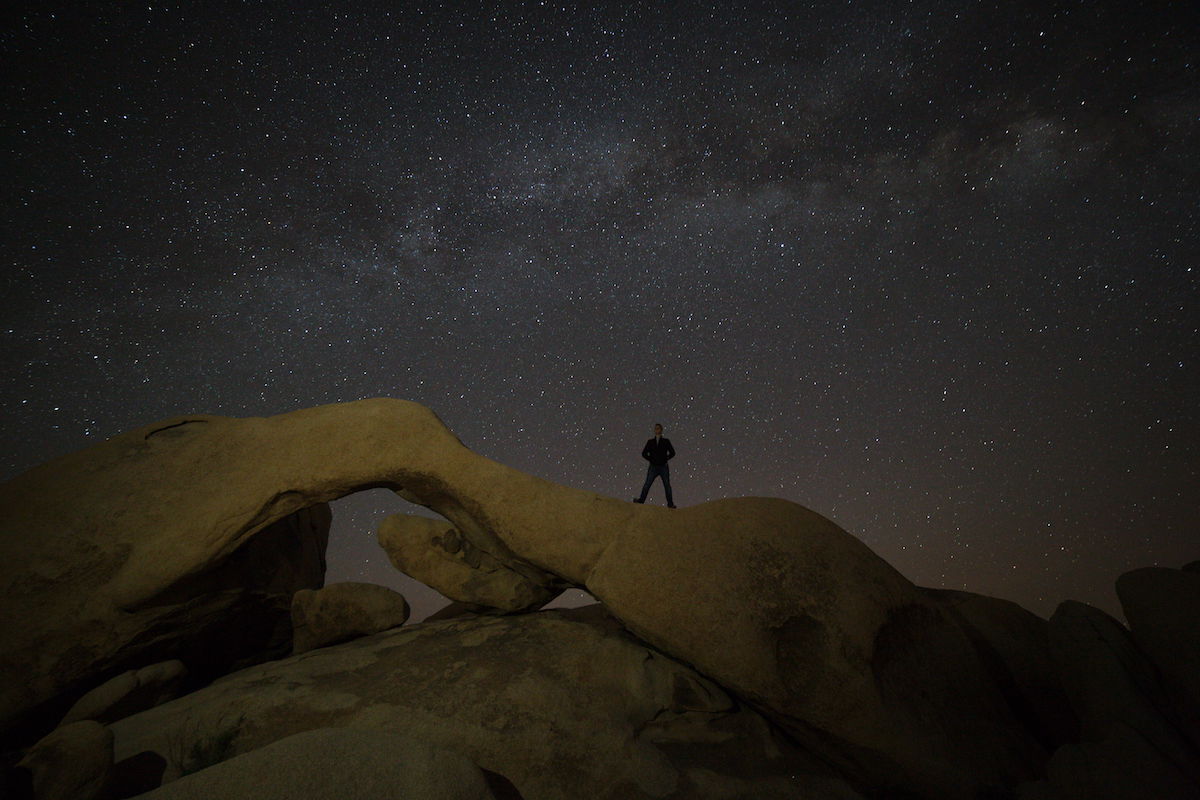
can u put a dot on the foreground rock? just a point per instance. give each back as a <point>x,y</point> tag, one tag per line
<point>561,703</point>
<point>435,553</point>
<point>343,611</point>
<point>129,693</point>
<point>1128,723</point>
<point>336,764</point>
<point>72,763</point>
<point>1163,609</point>
<point>1121,766</point>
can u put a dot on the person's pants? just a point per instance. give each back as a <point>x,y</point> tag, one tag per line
<point>658,471</point>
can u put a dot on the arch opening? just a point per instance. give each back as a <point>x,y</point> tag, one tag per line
<point>354,554</point>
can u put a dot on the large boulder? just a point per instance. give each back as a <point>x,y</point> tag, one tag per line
<point>434,552</point>
<point>344,611</point>
<point>1014,644</point>
<point>129,693</point>
<point>336,764</point>
<point>1113,687</point>
<point>794,614</point>
<point>1163,609</point>
<point>563,704</point>
<point>72,763</point>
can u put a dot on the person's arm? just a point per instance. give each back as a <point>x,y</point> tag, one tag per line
<point>670,450</point>
<point>646,449</point>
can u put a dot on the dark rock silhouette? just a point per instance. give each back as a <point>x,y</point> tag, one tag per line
<point>1014,644</point>
<point>1162,606</point>
<point>73,762</point>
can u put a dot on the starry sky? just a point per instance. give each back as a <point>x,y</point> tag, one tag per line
<point>928,268</point>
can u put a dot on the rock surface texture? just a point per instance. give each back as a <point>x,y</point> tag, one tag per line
<point>344,611</point>
<point>434,552</point>
<point>1163,609</point>
<point>1015,646</point>
<point>336,764</point>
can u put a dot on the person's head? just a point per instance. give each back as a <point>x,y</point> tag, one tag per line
<point>657,429</point>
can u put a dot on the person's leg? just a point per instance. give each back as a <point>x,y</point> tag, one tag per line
<point>650,474</point>
<point>666,478</point>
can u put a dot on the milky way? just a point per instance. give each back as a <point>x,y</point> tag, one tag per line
<point>926,268</point>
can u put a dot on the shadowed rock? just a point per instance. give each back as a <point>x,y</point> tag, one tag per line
<point>72,763</point>
<point>129,693</point>
<point>562,703</point>
<point>1163,609</point>
<point>336,764</point>
<point>1014,644</point>
<point>1112,685</point>
<point>1121,766</point>
<point>73,527</point>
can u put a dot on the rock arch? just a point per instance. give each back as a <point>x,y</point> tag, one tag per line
<point>93,543</point>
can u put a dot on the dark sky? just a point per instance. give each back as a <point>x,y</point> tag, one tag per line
<point>927,268</point>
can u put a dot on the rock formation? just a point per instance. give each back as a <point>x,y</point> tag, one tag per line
<point>336,764</point>
<point>1133,742</point>
<point>344,611</point>
<point>1162,606</point>
<point>553,701</point>
<point>435,553</point>
<point>1015,647</point>
<point>773,635</point>
<point>129,693</point>
<point>71,763</point>
<point>74,526</point>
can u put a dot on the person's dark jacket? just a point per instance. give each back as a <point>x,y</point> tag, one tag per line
<point>658,451</point>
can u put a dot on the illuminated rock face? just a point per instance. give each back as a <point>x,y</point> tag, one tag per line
<point>105,548</point>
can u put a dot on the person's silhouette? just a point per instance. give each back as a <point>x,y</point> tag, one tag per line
<point>658,451</point>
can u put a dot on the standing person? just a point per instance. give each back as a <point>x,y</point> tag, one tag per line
<point>658,451</point>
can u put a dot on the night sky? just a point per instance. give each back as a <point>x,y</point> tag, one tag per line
<point>929,269</point>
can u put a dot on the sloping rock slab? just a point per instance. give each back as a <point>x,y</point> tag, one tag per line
<point>72,763</point>
<point>129,693</point>
<point>336,764</point>
<point>561,703</point>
